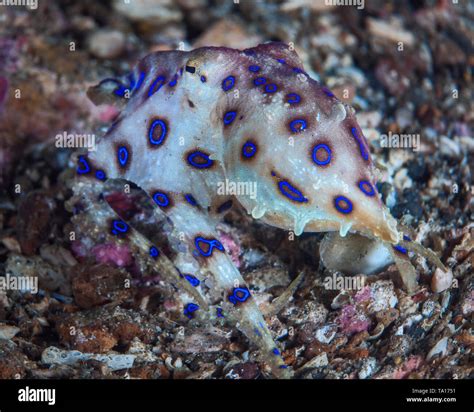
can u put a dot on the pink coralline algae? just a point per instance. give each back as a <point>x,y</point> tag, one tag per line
<point>110,253</point>
<point>9,53</point>
<point>3,91</point>
<point>363,295</point>
<point>122,204</point>
<point>352,321</point>
<point>411,365</point>
<point>232,248</point>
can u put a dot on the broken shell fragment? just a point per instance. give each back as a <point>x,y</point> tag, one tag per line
<point>354,254</point>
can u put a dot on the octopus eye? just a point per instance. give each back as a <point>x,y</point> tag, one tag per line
<point>224,206</point>
<point>343,204</point>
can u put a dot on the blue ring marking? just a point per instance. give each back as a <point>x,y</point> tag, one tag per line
<point>212,244</point>
<point>316,149</point>
<point>161,199</point>
<point>173,82</point>
<point>282,61</point>
<point>228,83</point>
<point>276,351</point>
<point>203,79</point>
<point>100,174</point>
<point>203,165</point>
<point>363,152</point>
<point>219,313</point>
<point>271,88</point>
<point>366,188</point>
<point>190,199</point>
<point>283,366</point>
<point>257,332</point>
<point>229,117</point>
<point>82,161</point>
<point>407,238</point>
<point>239,295</point>
<point>400,249</point>
<point>153,88</point>
<point>291,192</point>
<point>259,81</point>
<point>193,280</point>
<point>140,81</point>
<point>293,98</point>
<point>347,208</point>
<point>131,80</point>
<point>122,155</point>
<point>164,131</point>
<point>328,92</point>
<point>298,125</point>
<point>249,149</point>
<point>120,91</point>
<point>119,227</point>
<point>189,309</point>
<point>154,252</point>
<point>254,68</point>
<point>297,70</point>
<point>249,52</point>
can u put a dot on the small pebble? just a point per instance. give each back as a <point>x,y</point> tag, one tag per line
<point>107,44</point>
<point>441,280</point>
